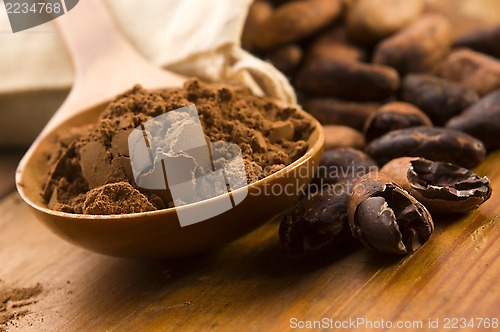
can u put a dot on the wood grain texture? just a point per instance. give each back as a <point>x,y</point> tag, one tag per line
<point>248,285</point>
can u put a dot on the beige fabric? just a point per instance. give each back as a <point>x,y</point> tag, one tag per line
<point>199,38</point>
<point>191,37</point>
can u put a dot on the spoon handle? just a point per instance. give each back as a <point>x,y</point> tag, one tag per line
<point>105,63</point>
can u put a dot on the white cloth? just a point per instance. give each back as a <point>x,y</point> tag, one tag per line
<point>191,37</point>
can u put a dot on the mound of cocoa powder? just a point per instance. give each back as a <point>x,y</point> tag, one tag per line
<point>91,171</point>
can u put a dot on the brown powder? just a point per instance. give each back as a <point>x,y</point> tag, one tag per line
<point>13,302</point>
<point>116,198</point>
<point>91,171</point>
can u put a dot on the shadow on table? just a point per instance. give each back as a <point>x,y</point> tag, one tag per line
<point>243,274</point>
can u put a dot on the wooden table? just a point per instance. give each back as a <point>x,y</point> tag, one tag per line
<point>248,285</point>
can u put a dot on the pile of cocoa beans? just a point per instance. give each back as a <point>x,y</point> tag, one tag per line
<point>408,110</point>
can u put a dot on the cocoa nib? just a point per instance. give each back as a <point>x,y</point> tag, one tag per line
<point>386,218</point>
<point>432,143</point>
<point>317,224</point>
<point>440,186</point>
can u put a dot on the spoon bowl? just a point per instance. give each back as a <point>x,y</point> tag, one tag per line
<point>155,234</point>
<point>158,234</point>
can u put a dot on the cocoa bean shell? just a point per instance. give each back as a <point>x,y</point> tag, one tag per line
<point>397,171</point>
<point>385,217</point>
<point>442,187</point>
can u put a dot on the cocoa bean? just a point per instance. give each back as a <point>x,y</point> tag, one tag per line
<point>418,47</point>
<point>334,43</point>
<point>438,144</point>
<point>343,164</point>
<point>343,137</point>
<point>346,79</point>
<point>485,41</point>
<point>476,71</point>
<point>286,58</point>
<point>340,112</point>
<point>295,20</point>
<point>317,224</point>
<point>386,218</point>
<point>258,13</point>
<point>481,120</point>
<point>438,98</point>
<point>442,187</point>
<point>369,21</point>
<point>392,116</point>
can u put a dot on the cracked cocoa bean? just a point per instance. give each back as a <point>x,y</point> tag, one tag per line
<point>438,144</point>
<point>331,111</point>
<point>347,79</point>
<point>418,47</point>
<point>392,116</point>
<point>481,120</point>
<point>485,41</point>
<point>441,187</point>
<point>386,218</point>
<point>343,164</point>
<point>440,99</point>
<point>317,224</point>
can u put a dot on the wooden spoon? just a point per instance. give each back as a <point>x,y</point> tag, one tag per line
<point>105,65</point>
<point>104,61</point>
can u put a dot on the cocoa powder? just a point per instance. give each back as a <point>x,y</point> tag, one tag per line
<point>13,303</point>
<point>91,171</point>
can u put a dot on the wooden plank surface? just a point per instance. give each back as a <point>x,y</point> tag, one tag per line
<point>249,285</point>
